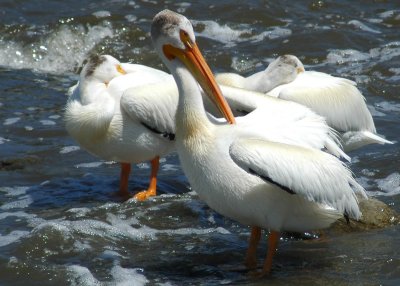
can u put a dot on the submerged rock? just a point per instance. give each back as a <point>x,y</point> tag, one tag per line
<point>376,214</point>
<point>18,163</point>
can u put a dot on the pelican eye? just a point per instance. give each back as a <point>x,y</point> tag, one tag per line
<point>186,39</point>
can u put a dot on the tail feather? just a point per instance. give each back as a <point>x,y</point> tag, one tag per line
<point>355,139</point>
<point>336,150</point>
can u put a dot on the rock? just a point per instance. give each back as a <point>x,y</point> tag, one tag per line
<point>376,214</point>
<point>18,163</point>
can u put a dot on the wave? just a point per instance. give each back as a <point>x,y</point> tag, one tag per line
<point>230,37</point>
<point>62,50</point>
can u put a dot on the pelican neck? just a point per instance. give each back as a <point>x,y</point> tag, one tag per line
<point>191,114</point>
<point>262,80</point>
<point>91,90</point>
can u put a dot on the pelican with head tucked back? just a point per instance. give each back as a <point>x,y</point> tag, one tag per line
<point>260,182</point>
<point>335,98</point>
<point>108,118</point>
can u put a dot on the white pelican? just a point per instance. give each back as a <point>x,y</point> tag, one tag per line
<point>337,99</point>
<point>262,183</point>
<point>284,69</point>
<point>100,116</point>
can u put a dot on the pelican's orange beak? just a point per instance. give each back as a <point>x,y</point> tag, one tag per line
<point>195,62</point>
<point>120,69</point>
<point>300,70</point>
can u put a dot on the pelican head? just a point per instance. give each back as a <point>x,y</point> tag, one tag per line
<point>285,68</point>
<point>102,68</point>
<point>174,39</point>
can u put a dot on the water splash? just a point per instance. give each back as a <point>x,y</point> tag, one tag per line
<point>63,50</point>
<point>230,37</point>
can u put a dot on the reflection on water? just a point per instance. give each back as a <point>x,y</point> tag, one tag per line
<point>60,220</point>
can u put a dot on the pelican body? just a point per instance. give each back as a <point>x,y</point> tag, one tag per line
<point>107,118</point>
<point>263,182</point>
<point>337,99</point>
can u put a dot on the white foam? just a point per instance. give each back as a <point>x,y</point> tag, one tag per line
<point>390,14</point>
<point>316,27</point>
<point>362,26</point>
<point>345,56</point>
<point>47,122</point>
<point>390,185</point>
<point>274,33</point>
<point>3,140</point>
<point>10,121</point>
<point>230,37</point>
<point>220,33</point>
<point>55,116</point>
<point>374,112</point>
<point>28,128</point>
<point>128,276</point>
<point>61,51</point>
<point>101,14</point>
<point>388,106</point>
<point>365,182</point>
<point>82,246</point>
<point>89,165</point>
<point>69,149</point>
<point>190,231</point>
<point>19,214</point>
<point>23,202</point>
<point>182,7</point>
<point>79,212</point>
<point>12,237</point>
<point>143,166</point>
<point>379,54</point>
<point>124,227</point>
<point>130,18</point>
<point>110,254</point>
<point>243,65</point>
<point>14,191</point>
<point>80,275</point>
<point>169,167</point>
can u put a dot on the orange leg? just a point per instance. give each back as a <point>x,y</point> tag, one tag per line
<point>123,187</point>
<point>152,189</point>
<point>251,254</point>
<point>273,241</point>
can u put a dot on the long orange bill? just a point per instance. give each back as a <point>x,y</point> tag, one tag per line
<point>121,70</point>
<point>195,62</point>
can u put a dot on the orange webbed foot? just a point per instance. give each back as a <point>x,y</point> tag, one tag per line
<point>144,195</point>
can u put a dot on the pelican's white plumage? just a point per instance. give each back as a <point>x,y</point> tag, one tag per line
<point>258,181</point>
<point>130,117</point>
<point>279,120</point>
<point>281,71</point>
<point>337,99</point>
<point>101,116</point>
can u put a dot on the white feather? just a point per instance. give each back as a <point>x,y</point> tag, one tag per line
<point>315,175</point>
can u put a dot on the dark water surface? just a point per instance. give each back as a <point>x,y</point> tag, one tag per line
<point>60,220</point>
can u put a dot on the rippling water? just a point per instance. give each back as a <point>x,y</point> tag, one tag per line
<point>60,220</point>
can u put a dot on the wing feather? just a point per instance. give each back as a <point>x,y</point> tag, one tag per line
<point>154,105</point>
<point>337,99</point>
<point>316,175</point>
